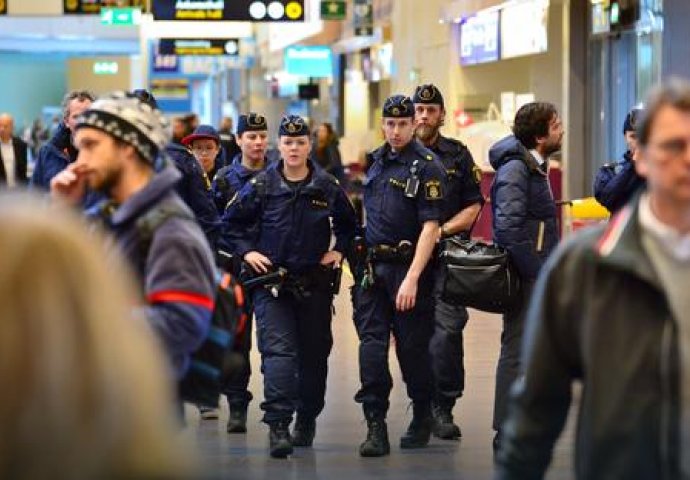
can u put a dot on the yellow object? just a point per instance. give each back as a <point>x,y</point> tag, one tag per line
<point>588,208</point>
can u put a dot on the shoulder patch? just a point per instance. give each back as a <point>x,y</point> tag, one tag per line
<point>477,174</point>
<point>432,190</point>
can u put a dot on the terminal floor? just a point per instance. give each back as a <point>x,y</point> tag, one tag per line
<point>341,428</point>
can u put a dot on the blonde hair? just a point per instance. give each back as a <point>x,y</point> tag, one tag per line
<point>85,390</point>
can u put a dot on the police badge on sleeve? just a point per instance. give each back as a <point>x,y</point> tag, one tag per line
<point>432,190</point>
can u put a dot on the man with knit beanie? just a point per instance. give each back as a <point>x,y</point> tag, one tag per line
<point>119,139</point>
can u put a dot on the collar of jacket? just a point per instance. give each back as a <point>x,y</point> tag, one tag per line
<point>315,173</point>
<point>446,145</point>
<point>621,244</point>
<point>161,183</point>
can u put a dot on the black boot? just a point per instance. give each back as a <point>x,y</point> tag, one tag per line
<point>237,423</point>
<point>376,444</point>
<point>279,439</point>
<point>444,427</point>
<point>419,431</point>
<point>304,431</point>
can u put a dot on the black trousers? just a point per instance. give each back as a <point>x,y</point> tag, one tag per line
<point>375,318</point>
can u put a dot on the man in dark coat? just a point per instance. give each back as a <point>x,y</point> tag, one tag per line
<point>524,223</point>
<point>12,155</point>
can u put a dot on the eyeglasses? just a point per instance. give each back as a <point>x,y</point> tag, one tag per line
<point>673,146</point>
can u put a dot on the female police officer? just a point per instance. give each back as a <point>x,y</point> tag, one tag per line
<point>285,217</point>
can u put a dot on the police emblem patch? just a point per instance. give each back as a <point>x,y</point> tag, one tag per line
<point>477,174</point>
<point>432,190</point>
<point>291,127</point>
<point>395,111</point>
<point>426,94</point>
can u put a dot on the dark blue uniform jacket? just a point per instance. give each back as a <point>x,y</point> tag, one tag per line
<point>291,227</point>
<point>524,211</point>
<point>463,176</point>
<point>616,183</point>
<point>391,216</point>
<point>229,180</point>
<point>195,189</point>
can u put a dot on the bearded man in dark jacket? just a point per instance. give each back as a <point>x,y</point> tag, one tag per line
<point>524,223</point>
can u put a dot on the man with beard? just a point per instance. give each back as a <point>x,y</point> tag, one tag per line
<point>524,223</point>
<point>119,139</point>
<point>461,204</point>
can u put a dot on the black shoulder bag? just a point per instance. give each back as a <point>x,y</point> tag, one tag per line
<point>478,275</point>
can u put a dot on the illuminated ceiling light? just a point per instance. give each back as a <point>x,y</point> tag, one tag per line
<point>257,10</point>
<point>276,10</point>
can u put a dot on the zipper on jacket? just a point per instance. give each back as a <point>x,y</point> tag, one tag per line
<point>666,397</point>
<point>540,237</point>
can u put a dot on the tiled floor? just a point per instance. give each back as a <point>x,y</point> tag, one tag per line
<point>340,428</point>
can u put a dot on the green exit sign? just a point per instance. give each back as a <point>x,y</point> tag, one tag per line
<point>333,9</point>
<point>120,16</point>
<point>105,68</point>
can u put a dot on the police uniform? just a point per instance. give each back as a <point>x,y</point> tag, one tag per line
<point>227,183</point>
<point>395,213</point>
<point>446,346</point>
<point>230,179</point>
<point>291,223</point>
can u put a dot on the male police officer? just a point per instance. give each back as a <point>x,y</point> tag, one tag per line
<point>252,137</point>
<point>461,204</point>
<point>285,218</point>
<point>403,199</point>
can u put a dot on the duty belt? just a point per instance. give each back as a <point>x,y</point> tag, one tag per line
<point>401,253</point>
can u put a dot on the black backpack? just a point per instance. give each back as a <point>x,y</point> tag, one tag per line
<point>213,362</point>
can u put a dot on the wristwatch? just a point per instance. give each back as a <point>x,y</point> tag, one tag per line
<point>442,228</point>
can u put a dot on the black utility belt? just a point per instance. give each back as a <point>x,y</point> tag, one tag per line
<point>403,252</point>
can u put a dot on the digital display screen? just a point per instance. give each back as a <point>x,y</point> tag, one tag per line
<point>93,7</point>
<point>479,39</point>
<point>313,61</point>
<point>524,28</point>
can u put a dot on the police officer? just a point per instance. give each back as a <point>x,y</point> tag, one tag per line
<point>403,196</point>
<point>461,205</point>
<point>252,138</point>
<point>252,134</point>
<point>284,218</point>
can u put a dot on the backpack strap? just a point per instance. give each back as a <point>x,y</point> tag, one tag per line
<point>148,224</point>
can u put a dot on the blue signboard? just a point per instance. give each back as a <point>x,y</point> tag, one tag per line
<point>479,36</point>
<point>314,61</point>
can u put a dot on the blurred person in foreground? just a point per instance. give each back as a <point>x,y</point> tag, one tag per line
<point>616,183</point>
<point>611,311</point>
<point>119,139</point>
<point>85,392</point>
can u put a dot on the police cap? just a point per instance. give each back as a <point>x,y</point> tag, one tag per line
<point>293,126</point>
<point>398,106</point>
<point>428,94</point>
<point>252,122</point>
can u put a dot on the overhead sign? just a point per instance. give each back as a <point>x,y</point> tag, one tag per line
<point>313,61</point>
<point>93,7</point>
<point>479,39</point>
<point>165,64</point>
<point>120,16</point>
<point>170,88</point>
<point>363,18</point>
<point>187,46</point>
<point>333,9</point>
<point>233,10</point>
